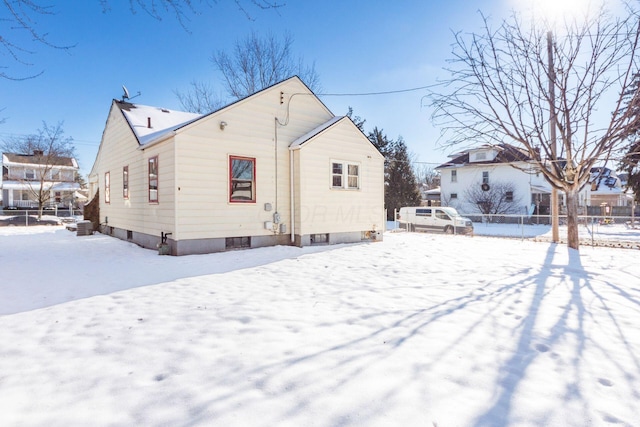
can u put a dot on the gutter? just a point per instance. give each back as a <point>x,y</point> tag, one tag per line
<point>153,142</point>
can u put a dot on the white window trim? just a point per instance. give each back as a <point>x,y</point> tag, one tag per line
<point>345,175</point>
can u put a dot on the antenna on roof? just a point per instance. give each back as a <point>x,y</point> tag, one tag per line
<point>126,95</point>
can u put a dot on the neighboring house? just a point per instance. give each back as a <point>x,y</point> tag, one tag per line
<point>23,175</point>
<point>472,173</point>
<point>477,171</point>
<point>606,188</point>
<point>430,196</point>
<point>274,168</point>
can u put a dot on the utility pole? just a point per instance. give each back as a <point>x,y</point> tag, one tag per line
<point>552,133</point>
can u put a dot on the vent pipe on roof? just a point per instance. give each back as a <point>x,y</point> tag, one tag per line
<point>149,122</point>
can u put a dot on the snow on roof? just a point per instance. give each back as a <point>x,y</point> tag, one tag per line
<point>433,191</point>
<point>307,136</point>
<point>38,159</point>
<point>150,123</point>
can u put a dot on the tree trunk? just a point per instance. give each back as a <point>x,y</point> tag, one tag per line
<point>573,240</point>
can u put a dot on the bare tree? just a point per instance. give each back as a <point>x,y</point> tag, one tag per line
<point>258,62</point>
<point>427,175</point>
<point>201,98</point>
<point>497,198</point>
<point>22,16</point>
<point>503,88</point>
<point>48,147</point>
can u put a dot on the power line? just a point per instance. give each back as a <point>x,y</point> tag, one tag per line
<point>74,141</point>
<point>378,93</point>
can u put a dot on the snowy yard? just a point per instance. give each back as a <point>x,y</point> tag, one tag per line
<point>417,330</point>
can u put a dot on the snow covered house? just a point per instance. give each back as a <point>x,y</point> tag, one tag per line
<point>27,178</point>
<point>274,168</point>
<point>605,188</point>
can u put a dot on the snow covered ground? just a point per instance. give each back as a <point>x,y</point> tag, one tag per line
<point>417,330</point>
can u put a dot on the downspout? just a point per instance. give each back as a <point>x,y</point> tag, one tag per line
<point>293,198</point>
<point>275,156</point>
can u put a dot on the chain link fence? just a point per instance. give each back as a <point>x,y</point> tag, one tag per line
<point>28,217</point>
<point>595,230</point>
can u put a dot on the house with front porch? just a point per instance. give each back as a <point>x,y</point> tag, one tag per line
<point>38,176</point>
<point>505,177</point>
<point>502,175</point>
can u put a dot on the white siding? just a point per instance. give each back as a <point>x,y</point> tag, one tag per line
<point>203,207</point>
<point>470,175</point>
<point>323,209</point>
<point>120,148</point>
<point>194,171</point>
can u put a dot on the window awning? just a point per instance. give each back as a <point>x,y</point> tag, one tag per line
<point>538,189</point>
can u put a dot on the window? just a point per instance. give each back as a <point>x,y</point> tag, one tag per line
<point>485,177</point>
<point>509,196</point>
<point>481,155</point>
<point>242,179</point>
<point>319,239</point>
<point>30,174</point>
<point>58,196</point>
<point>237,242</point>
<point>336,175</point>
<point>454,196</point>
<point>153,179</point>
<point>56,174</point>
<point>440,214</point>
<point>125,182</point>
<point>345,175</point>
<point>454,176</point>
<point>423,212</point>
<point>353,176</point>
<point>107,187</point>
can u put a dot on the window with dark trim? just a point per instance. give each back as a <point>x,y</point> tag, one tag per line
<point>107,187</point>
<point>242,179</point>
<point>485,177</point>
<point>454,176</point>
<point>454,195</point>
<point>153,179</point>
<point>125,182</point>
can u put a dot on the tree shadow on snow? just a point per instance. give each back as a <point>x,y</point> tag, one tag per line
<point>533,343</point>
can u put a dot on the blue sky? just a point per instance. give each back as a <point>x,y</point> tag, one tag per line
<point>358,46</point>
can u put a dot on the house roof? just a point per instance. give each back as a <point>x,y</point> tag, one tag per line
<point>149,123</point>
<point>506,154</point>
<point>35,185</point>
<point>34,159</point>
<point>298,142</point>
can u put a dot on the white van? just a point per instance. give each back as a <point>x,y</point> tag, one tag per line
<point>443,219</point>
